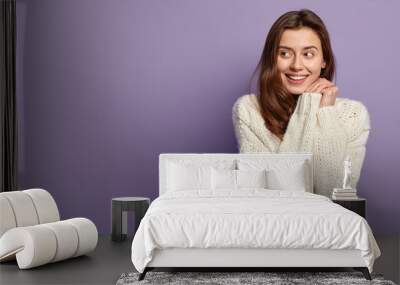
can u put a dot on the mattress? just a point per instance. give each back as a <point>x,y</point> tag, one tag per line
<point>250,218</point>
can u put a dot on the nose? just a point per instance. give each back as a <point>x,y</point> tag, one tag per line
<point>297,63</point>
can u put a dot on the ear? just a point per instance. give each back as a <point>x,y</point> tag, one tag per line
<point>324,64</point>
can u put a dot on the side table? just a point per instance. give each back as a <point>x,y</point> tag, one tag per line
<point>357,205</point>
<point>119,214</point>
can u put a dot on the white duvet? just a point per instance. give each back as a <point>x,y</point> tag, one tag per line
<point>250,218</point>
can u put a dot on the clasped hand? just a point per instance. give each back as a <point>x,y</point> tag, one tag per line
<point>328,90</point>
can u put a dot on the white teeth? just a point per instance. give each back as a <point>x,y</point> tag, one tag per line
<point>296,77</point>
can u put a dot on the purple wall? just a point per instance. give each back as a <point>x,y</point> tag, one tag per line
<point>105,86</point>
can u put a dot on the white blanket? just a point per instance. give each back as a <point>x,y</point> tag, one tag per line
<point>250,218</point>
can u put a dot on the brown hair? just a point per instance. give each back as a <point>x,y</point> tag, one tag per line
<point>277,104</point>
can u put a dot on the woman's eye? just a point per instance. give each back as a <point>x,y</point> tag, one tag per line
<point>309,54</point>
<point>284,53</point>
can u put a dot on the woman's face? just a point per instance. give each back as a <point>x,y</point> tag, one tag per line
<point>300,59</point>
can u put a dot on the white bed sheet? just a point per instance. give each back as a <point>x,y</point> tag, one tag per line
<point>250,218</point>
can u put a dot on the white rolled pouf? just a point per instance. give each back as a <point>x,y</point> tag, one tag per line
<point>87,233</point>
<point>40,244</point>
<point>24,211</point>
<point>45,206</point>
<point>30,230</point>
<point>67,240</point>
<point>32,246</point>
<point>7,220</point>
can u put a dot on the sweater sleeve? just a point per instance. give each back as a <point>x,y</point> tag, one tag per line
<point>299,132</point>
<point>247,140</point>
<point>249,136</point>
<point>339,132</point>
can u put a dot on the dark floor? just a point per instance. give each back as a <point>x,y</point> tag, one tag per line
<point>110,260</point>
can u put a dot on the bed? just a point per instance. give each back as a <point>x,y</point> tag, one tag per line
<point>244,211</point>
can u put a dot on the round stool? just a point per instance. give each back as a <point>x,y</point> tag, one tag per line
<point>119,213</point>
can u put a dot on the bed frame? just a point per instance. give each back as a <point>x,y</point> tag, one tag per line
<point>249,258</point>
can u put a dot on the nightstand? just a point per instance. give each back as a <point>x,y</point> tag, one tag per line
<point>357,205</point>
<point>119,212</point>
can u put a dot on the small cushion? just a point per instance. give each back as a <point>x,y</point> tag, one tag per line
<point>235,179</point>
<point>223,179</point>
<point>251,179</point>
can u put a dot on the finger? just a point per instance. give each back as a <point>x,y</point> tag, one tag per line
<point>318,84</point>
<point>324,83</point>
<point>322,86</point>
<point>311,88</point>
<point>329,94</point>
<point>331,91</point>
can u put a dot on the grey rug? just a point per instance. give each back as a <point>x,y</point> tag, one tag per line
<point>273,278</point>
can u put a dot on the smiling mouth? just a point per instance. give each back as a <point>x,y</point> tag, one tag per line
<point>296,79</point>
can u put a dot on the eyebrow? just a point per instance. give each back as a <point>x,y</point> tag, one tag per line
<point>307,47</point>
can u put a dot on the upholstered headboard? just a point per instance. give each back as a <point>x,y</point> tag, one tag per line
<point>226,158</point>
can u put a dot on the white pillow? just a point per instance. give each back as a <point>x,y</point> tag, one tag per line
<point>236,179</point>
<point>223,179</point>
<point>251,179</point>
<point>282,174</point>
<point>291,179</point>
<point>189,177</point>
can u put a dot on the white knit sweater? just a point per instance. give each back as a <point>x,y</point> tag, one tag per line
<point>330,133</point>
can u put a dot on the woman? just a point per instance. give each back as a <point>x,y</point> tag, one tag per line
<point>297,109</point>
